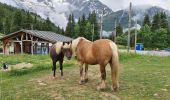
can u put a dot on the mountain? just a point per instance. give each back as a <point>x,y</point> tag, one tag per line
<point>59,10</point>
<point>13,19</point>
<point>86,6</point>
<point>138,13</point>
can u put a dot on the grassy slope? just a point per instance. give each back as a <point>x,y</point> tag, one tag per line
<point>141,77</point>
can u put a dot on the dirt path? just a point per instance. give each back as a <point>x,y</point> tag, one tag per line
<point>69,88</point>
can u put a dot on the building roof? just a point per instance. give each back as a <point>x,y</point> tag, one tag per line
<point>46,35</point>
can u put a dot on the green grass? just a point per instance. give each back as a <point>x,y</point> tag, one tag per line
<point>141,78</point>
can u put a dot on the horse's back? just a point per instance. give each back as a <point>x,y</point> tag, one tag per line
<point>102,45</point>
<point>102,50</point>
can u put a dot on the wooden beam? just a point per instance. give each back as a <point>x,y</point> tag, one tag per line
<point>17,39</point>
<point>22,37</point>
<point>21,43</point>
<point>21,47</point>
<point>26,40</point>
<point>31,37</point>
<point>40,42</point>
<point>32,45</point>
<point>26,36</point>
<point>37,39</point>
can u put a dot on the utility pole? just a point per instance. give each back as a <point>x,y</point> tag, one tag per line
<point>93,33</point>
<point>130,8</point>
<point>101,24</point>
<point>135,35</point>
<point>115,31</point>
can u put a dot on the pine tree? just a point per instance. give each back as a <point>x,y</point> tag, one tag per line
<point>72,25</point>
<point>168,38</point>
<point>17,22</point>
<point>164,21</point>
<point>7,26</point>
<point>96,27</point>
<point>77,30</point>
<point>27,21</point>
<point>156,22</point>
<point>82,26</point>
<point>1,25</point>
<point>119,30</point>
<point>146,20</point>
<point>35,24</point>
<point>79,21</point>
<point>88,31</point>
<point>48,24</point>
<point>62,31</point>
<point>68,27</point>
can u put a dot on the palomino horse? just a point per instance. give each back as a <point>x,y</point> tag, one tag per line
<point>57,52</point>
<point>100,52</point>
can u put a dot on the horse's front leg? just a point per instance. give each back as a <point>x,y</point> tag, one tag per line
<point>103,77</point>
<point>81,73</point>
<point>61,67</point>
<point>86,73</point>
<point>54,69</point>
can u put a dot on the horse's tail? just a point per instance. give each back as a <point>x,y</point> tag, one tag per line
<point>114,63</point>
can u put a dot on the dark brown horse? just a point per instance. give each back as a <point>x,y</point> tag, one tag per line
<point>57,53</point>
<point>100,52</point>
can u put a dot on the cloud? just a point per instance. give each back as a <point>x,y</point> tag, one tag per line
<point>120,4</point>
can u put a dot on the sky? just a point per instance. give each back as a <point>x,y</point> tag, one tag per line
<point>119,4</point>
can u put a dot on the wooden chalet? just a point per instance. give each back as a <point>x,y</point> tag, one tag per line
<point>31,41</point>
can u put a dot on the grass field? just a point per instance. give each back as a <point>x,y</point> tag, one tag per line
<point>141,78</point>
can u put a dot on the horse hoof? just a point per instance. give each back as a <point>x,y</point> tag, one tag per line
<point>86,80</point>
<point>115,89</point>
<point>62,77</point>
<point>81,82</point>
<point>53,78</point>
<point>99,88</point>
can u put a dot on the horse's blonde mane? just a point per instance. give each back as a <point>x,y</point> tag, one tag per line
<point>76,41</point>
<point>58,47</point>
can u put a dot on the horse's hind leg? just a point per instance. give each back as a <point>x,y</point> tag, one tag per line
<point>81,73</point>
<point>54,68</point>
<point>103,77</point>
<point>86,73</point>
<point>61,67</point>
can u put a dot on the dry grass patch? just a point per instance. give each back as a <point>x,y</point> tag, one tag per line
<point>69,88</point>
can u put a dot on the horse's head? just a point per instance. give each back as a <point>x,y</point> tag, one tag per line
<point>66,49</point>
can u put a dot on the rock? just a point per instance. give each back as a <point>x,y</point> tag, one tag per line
<point>164,90</point>
<point>155,94</point>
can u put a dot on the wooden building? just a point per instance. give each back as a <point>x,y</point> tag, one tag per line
<point>31,41</point>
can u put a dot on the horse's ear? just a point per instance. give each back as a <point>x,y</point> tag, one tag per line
<point>63,43</point>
